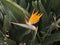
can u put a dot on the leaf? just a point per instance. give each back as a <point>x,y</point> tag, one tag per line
<point>23,3</point>
<point>1,20</point>
<point>9,42</point>
<point>15,8</point>
<point>6,24</point>
<point>55,4</point>
<point>1,34</point>
<point>52,38</point>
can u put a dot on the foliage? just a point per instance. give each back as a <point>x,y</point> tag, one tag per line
<point>15,31</point>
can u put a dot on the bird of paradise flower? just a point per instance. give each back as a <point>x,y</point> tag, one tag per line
<point>29,23</point>
<point>33,20</point>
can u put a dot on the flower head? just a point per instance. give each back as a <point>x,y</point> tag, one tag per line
<point>35,17</point>
<point>29,23</point>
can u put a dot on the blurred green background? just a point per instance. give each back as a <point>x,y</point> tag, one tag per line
<point>48,32</point>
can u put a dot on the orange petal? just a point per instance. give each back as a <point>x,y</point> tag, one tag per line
<point>35,17</point>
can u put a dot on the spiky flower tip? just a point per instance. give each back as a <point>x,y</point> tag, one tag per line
<point>35,17</point>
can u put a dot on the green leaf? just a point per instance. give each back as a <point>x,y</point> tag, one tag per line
<point>52,38</point>
<point>9,42</point>
<point>1,34</point>
<point>15,8</point>
<point>55,4</point>
<point>23,3</point>
<point>6,25</point>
